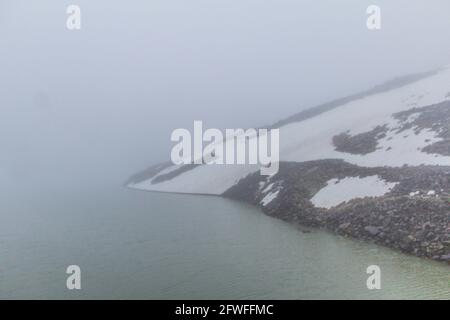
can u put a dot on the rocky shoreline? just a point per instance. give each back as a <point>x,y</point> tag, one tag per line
<point>413,217</point>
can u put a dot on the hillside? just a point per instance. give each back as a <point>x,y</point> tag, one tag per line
<point>375,166</point>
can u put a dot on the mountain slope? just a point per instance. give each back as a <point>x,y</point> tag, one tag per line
<point>367,130</point>
<point>373,166</point>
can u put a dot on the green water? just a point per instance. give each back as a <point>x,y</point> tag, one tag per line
<point>139,245</point>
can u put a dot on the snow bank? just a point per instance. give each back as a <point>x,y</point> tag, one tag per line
<point>339,191</point>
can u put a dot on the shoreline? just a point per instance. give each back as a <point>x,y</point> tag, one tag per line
<point>403,219</point>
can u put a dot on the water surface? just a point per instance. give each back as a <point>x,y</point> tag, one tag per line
<point>138,245</point>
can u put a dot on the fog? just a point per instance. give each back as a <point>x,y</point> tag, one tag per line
<point>91,107</point>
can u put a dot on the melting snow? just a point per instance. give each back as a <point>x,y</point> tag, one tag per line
<point>268,188</point>
<point>339,191</point>
<point>269,197</point>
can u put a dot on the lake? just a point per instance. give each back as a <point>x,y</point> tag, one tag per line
<point>138,245</point>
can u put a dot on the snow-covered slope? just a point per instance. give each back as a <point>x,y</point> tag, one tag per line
<point>389,128</point>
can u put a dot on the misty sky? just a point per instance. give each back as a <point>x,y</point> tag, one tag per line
<point>100,103</point>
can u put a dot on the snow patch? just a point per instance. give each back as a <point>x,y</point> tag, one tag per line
<point>339,191</point>
<point>269,197</point>
<point>261,185</point>
<point>268,188</point>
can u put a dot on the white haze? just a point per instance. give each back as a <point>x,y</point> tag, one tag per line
<point>96,105</point>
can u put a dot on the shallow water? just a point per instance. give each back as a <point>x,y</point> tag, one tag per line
<point>138,245</point>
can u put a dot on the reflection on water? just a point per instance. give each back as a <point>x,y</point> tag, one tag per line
<point>132,244</point>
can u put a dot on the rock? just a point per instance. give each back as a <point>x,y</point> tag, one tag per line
<point>372,230</point>
<point>344,225</point>
<point>445,257</point>
<point>418,224</point>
